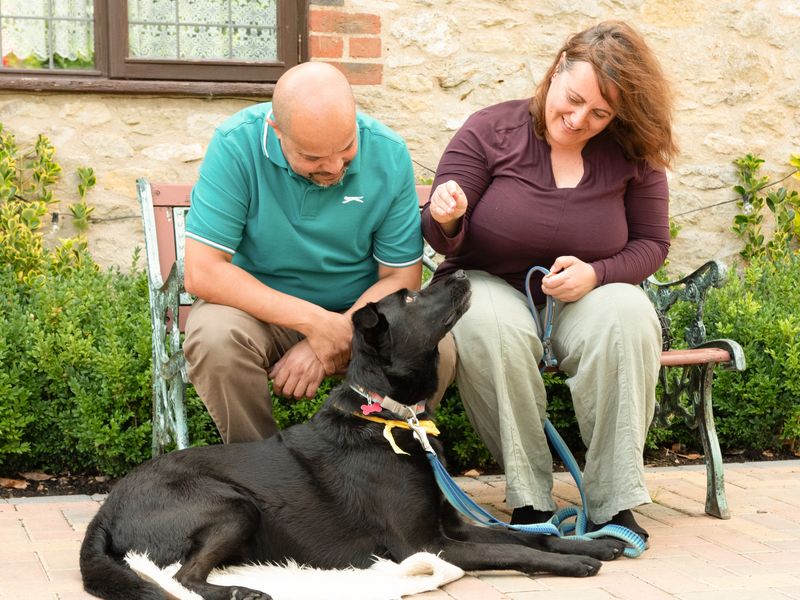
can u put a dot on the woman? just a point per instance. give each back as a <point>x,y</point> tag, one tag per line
<point>573,180</point>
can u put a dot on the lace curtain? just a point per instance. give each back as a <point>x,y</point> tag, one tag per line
<point>47,33</point>
<point>35,32</point>
<point>203,29</point>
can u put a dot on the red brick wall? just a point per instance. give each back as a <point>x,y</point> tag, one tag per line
<point>349,40</point>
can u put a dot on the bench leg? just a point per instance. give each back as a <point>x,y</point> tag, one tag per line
<point>169,374</point>
<point>716,501</point>
<point>169,413</point>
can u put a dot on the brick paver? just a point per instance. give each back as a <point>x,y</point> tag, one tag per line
<point>755,555</point>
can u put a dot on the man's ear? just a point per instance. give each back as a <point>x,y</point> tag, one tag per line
<point>371,325</point>
<point>272,123</point>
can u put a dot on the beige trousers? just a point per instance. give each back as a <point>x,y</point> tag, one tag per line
<point>609,345</point>
<point>229,353</point>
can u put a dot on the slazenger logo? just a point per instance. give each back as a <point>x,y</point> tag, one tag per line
<point>348,199</point>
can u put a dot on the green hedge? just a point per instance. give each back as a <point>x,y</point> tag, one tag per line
<point>75,391</point>
<point>760,408</point>
<point>75,388</point>
<point>76,395</point>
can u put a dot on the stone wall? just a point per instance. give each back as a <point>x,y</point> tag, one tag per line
<point>422,66</point>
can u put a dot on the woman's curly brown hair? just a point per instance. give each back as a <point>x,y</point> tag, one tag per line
<point>621,60</point>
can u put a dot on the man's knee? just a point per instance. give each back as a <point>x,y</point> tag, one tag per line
<point>215,332</point>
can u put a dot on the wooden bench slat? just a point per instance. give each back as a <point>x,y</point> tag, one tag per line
<point>171,194</point>
<point>694,356</point>
<point>165,238</point>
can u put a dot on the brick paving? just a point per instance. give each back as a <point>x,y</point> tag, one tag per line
<point>755,555</point>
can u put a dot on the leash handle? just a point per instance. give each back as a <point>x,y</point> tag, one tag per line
<point>548,357</point>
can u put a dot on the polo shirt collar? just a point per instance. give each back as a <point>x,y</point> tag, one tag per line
<point>271,147</point>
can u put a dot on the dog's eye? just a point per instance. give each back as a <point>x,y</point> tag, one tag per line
<point>411,298</point>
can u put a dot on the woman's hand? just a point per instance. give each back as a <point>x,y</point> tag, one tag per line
<point>570,279</point>
<point>448,205</point>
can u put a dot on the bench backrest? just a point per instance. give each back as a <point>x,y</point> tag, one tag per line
<point>164,208</point>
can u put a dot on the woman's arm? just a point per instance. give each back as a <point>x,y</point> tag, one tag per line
<point>464,162</point>
<point>647,215</point>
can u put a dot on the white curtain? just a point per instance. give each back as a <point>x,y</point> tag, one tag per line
<point>39,28</point>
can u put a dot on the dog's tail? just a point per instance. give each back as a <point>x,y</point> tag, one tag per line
<point>106,577</point>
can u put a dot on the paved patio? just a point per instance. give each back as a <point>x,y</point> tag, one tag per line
<point>754,555</point>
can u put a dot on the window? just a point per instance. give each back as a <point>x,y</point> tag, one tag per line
<point>193,46</point>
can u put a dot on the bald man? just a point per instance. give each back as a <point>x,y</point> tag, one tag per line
<point>304,211</point>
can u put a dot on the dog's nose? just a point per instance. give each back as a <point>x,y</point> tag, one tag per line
<point>460,274</point>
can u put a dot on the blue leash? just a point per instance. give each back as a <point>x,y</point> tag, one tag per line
<point>557,525</point>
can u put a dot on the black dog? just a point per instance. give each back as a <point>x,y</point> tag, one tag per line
<point>329,493</point>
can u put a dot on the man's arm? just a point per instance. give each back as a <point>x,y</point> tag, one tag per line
<point>390,279</point>
<point>210,275</point>
<point>294,374</point>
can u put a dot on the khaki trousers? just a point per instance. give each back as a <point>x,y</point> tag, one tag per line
<point>609,345</point>
<point>229,353</point>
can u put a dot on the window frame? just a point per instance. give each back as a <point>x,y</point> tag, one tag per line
<point>115,72</point>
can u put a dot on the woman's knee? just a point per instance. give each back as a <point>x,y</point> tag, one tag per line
<point>616,304</point>
<point>497,311</point>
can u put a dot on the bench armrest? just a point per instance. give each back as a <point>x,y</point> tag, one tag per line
<point>691,289</point>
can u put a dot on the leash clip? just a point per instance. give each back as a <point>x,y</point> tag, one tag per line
<point>548,356</point>
<point>420,434</point>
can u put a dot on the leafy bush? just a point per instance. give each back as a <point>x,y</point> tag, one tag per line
<point>760,308</point>
<point>74,340</point>
<point>783,203</point>
<point>81,371</point>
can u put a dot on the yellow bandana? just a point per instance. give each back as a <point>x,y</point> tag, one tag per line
<point>389,424</point>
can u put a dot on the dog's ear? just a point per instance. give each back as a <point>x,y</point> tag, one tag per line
<point>371,325</point>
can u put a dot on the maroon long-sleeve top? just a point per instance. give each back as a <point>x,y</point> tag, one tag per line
<point>616,218</point>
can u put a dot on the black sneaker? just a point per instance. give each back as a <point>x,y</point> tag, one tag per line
<point>624,518</point>
<point>526,515</point>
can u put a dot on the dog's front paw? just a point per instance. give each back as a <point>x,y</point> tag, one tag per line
<point>608,548</point>
<point>248,594</point>
<point>578,566</point>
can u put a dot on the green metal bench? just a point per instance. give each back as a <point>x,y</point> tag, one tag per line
<point>686,374</point>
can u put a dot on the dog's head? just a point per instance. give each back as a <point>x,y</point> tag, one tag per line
<point>395,340</point>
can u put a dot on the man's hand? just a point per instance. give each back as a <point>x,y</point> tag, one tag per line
<point>325,351</point>
<point>570,279</point>
<point>448,205</point>
<point>298,373</point>
<point>330,341</point>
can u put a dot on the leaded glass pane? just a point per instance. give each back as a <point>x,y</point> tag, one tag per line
<point>150,11</point>
<point>74,41</point>
<point>240,30</point>
<point>24,43</point>
<point>263,13</point>
<point>209,12</point>
<point>72,8</point>
<point>200,42</point>
<point>47,34</point>
<point>23,8</point>
<point>252,44</point>
<point>153,41</point>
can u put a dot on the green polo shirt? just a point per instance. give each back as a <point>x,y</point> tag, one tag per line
<point>322,244</point>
